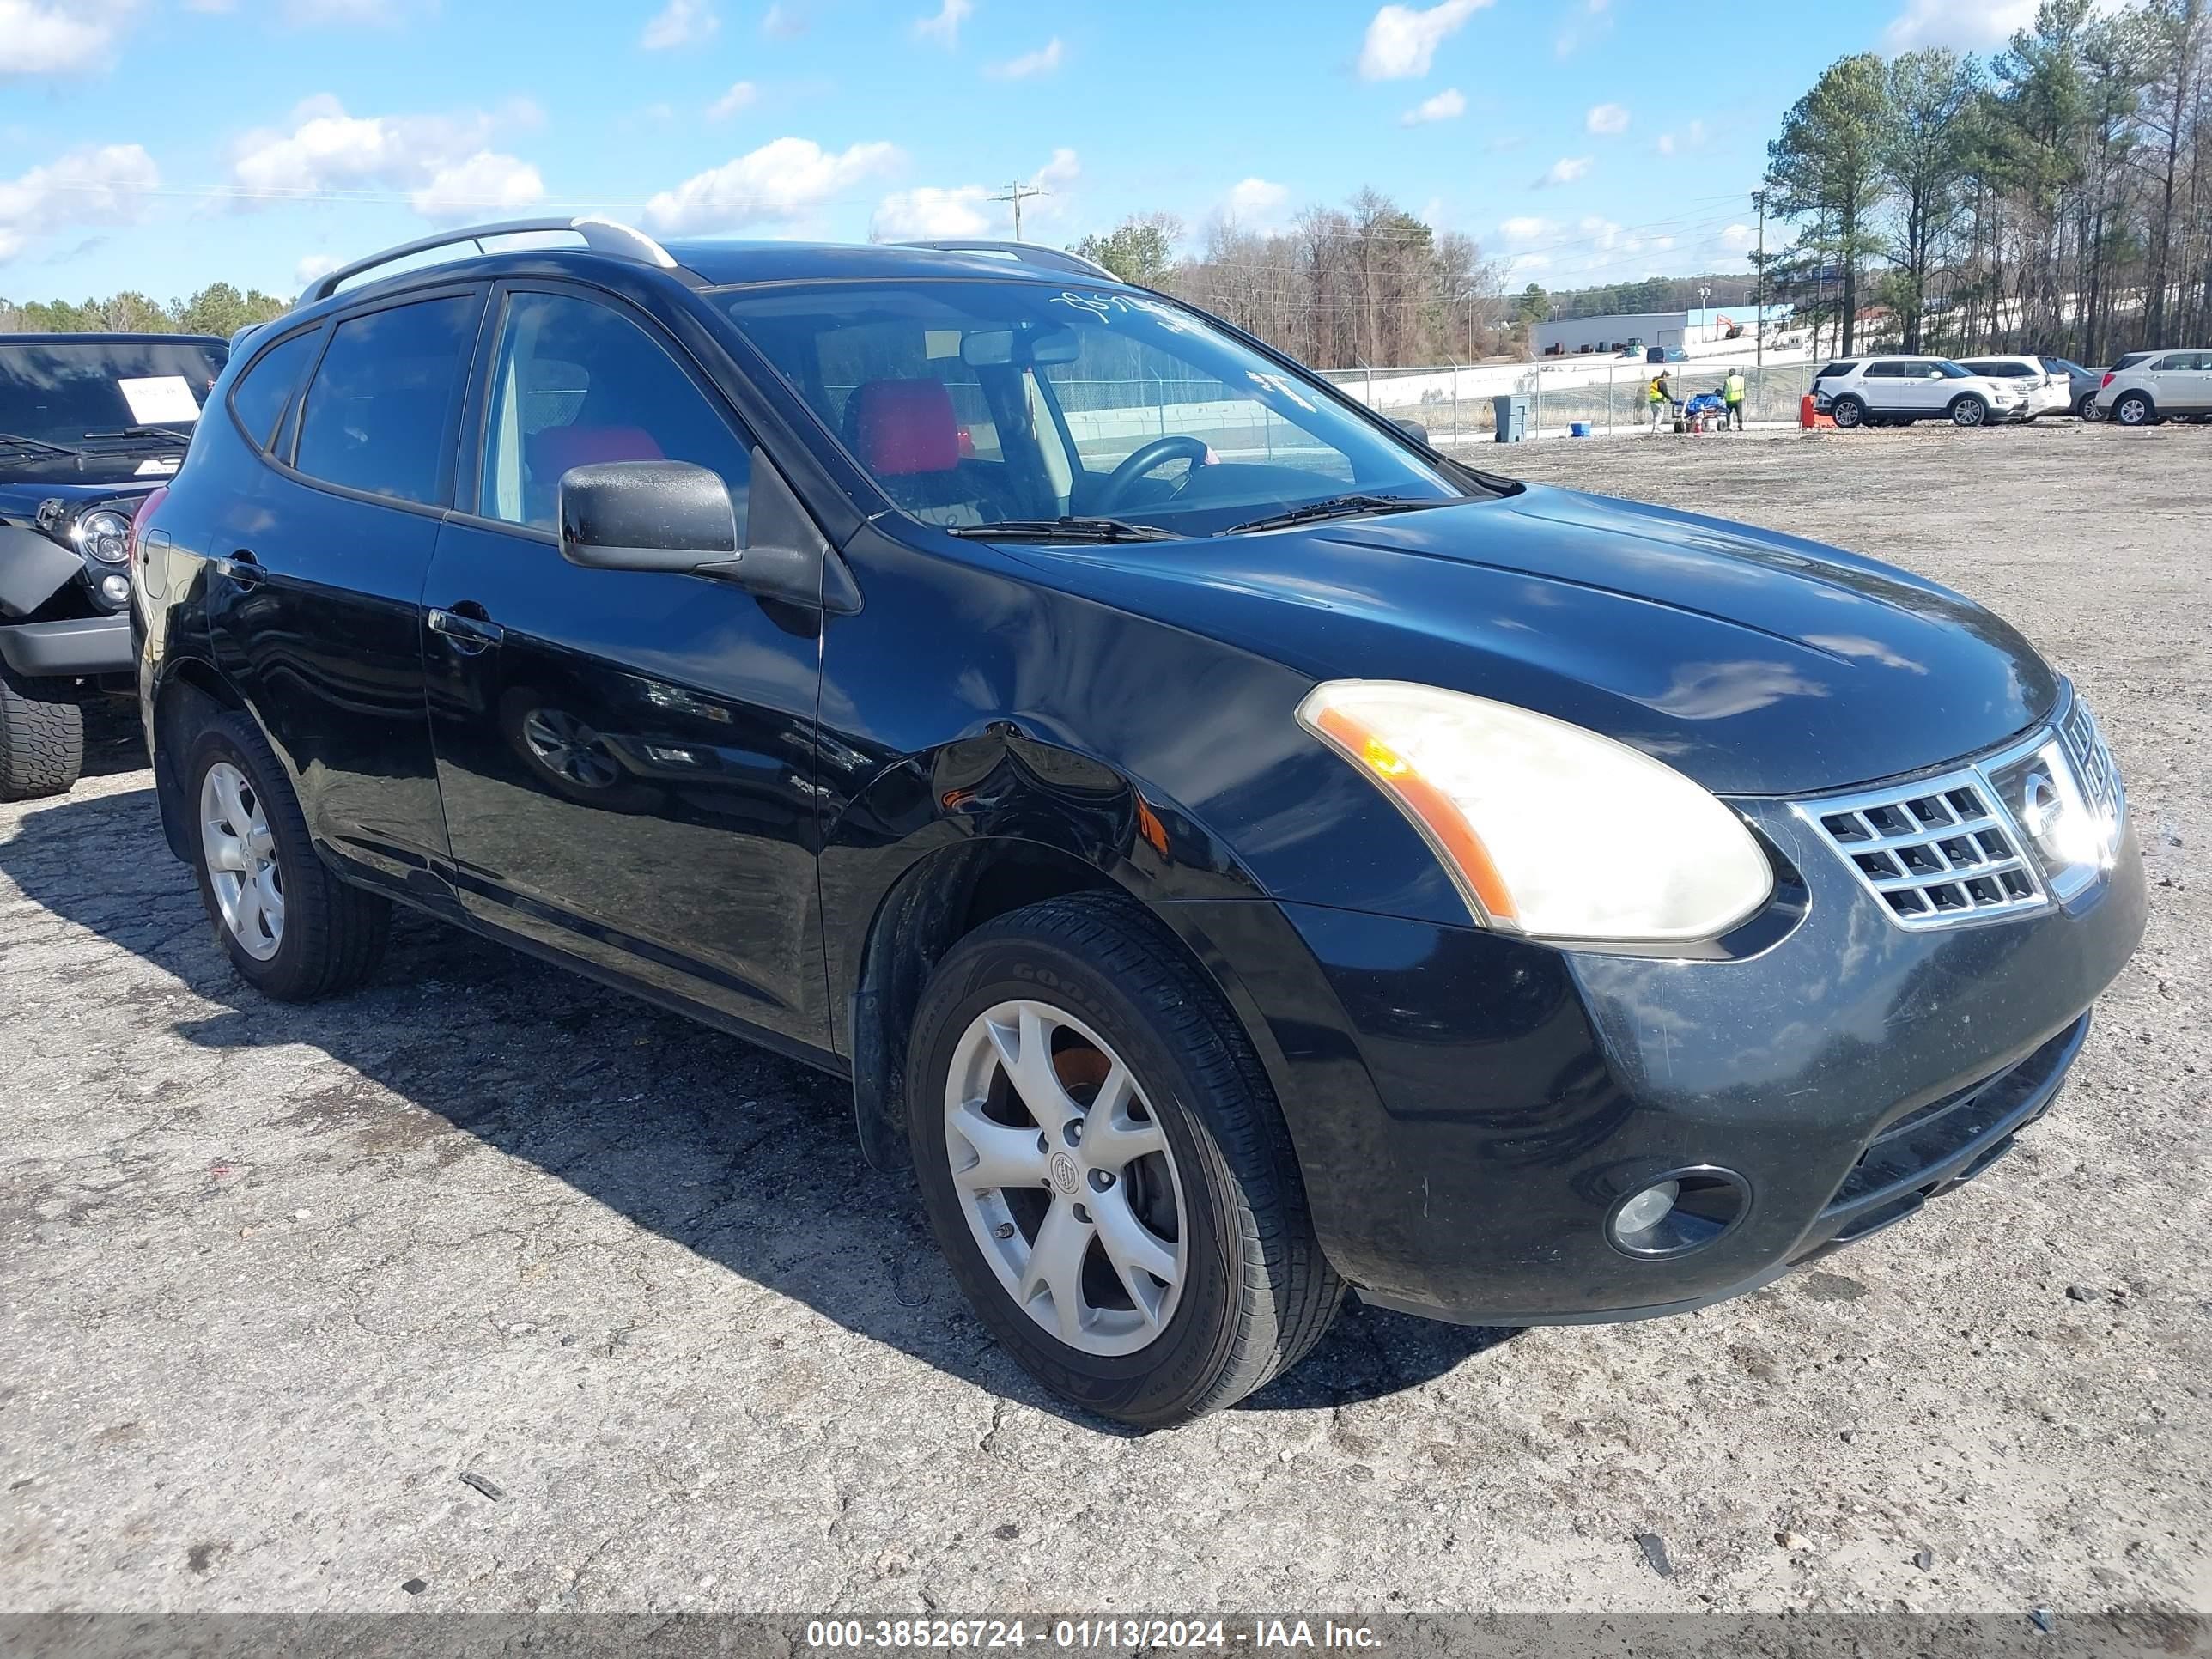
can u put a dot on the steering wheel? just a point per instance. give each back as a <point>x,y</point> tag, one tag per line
<point>1143,460</point>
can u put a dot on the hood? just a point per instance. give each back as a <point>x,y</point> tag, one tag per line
<point>102,478</point>
<point>1756,663</point>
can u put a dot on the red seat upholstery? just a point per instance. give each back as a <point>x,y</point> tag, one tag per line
<point>555,450</point>
<point>905,427</point>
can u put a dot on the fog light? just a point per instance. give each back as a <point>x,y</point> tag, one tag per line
<point>1646,1210</point>
<point>1681,1211</point>
<point>115,589</point>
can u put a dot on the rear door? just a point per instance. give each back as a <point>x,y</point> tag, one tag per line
<point>1883,387</point>
<point>316,576</point>
<point>626,758</point>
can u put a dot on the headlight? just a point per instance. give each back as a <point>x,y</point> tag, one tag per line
<point>104,534</point>
<point>1548,829</point>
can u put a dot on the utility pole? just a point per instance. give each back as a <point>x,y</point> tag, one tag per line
<point>1018,192</point>
<point>1758,288</point>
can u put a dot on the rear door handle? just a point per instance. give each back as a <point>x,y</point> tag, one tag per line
<point>241,567</point>
<point>468,634</point>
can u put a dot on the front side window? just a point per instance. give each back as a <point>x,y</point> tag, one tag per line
<point>974,402</point>
<point>263,393</point>
<point>378,411</point>
<point>575,383</point>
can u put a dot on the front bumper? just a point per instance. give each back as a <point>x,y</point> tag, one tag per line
<point>1469,1109</point>
<point>75,646</point>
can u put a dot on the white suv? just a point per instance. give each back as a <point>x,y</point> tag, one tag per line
<point>2165,383</point>
<point>1899,391</point>
<point>2042,392</point>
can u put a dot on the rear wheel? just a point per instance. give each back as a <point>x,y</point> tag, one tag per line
<point>41,737</point>
<point>2086,407</point>
<point>291,928</point>
<point>1104,1164</point>
<point>1848,412</point>
<point>2133,408</point>
<point>1968,411</point>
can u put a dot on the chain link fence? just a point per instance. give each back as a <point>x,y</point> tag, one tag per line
<point>1455,402</point>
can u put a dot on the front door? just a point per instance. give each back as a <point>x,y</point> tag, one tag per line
<point>316,582</point>
<point>627,757</point>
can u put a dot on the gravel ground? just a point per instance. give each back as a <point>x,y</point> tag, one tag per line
<point>485,1289</point>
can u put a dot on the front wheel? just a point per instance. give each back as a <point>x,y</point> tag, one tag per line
<point>292,929</point>
<point>2132,409</point>
<point>41,737</point>
<point>1969,410</point>
<point>1105,1167</point>
<point>1848,412</point>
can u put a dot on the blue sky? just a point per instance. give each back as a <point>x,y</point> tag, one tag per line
<point>161,144</point>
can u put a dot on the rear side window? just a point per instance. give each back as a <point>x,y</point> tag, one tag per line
<point>377,413</point>
<point>263,393</point>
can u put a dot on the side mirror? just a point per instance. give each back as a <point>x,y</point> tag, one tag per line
<point>1413,429</point>
<point>646,515</point>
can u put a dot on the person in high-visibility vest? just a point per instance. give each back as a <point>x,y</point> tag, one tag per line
<point>1661,393</point>
<point>1732,390</point>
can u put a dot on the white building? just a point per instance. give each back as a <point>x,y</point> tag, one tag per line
<point>1685,328</point>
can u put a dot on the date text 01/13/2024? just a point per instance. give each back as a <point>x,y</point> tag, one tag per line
<point>1118,1633</point>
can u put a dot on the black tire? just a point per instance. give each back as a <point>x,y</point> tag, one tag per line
<point>1847,413</point>
<point>334,933</point>
<point>1968,411</point>
<point>1258,1293</point>
<point>2133,408</point>
<point>41,737</point>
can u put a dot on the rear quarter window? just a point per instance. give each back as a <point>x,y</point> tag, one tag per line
<point>261,394</point>
<point>1836,369</point>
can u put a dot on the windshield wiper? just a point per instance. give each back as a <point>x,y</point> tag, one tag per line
<point>1065,530</point>
<point>16,440</point>
<point>169,432</point>
<point>1336,506</point>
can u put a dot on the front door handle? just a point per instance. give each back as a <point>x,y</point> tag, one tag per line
<point>468,633</point>
<point>241,567</point>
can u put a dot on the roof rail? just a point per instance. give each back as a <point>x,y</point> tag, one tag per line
<point>1029,253</point>
<point>601,235</point>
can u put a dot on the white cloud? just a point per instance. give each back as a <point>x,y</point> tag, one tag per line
<point>1531,261</point>
<point>739,97</point>
<point>1692,137</point>
<point>1526,229</point>
<point>945,27</point>
<point>1661,244</point>
<point>1957,23</point>
<point>1255,202</point>
<point>104,183</point>
<point>908,216</point>
<point>1606,119</point>
<point>1401,42</point>
<point>1566,170</point>
<point>313,265</point>
<point>1607,237</point>
<point>781,22</point>
<point>1591,20</point>
<point>55,40</point>
<point>1738,239</point>
<point>1045,59</point>
<point>680,23</point>
<point>445,163</point>
<point>486,183</point>
<point>781,181</point>
<point>1446,105</point>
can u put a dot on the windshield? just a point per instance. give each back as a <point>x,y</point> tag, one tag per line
<point>1952,371</point>
<point>973,404</point>
<point>63,391</point>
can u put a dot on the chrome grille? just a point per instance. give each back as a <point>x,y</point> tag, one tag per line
<point>2093,763</point>
<point>1934,851</point>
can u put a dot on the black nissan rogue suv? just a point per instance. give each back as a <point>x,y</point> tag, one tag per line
<point>1234,851</point>
<point>90,426</point>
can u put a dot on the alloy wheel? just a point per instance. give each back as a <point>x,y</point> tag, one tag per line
<point>1968,412</point>
<point>241,860</point>
<point>1065,1177</point>
<point>563,744</point>
<point>2131,411</point>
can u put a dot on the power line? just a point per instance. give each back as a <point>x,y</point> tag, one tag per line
<point>1018,192</point>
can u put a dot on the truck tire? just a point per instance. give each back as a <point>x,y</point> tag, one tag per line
<point>41,737</point>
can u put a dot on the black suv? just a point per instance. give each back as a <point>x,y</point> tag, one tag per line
<point>1233,850</point>
<point>90,426</point>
